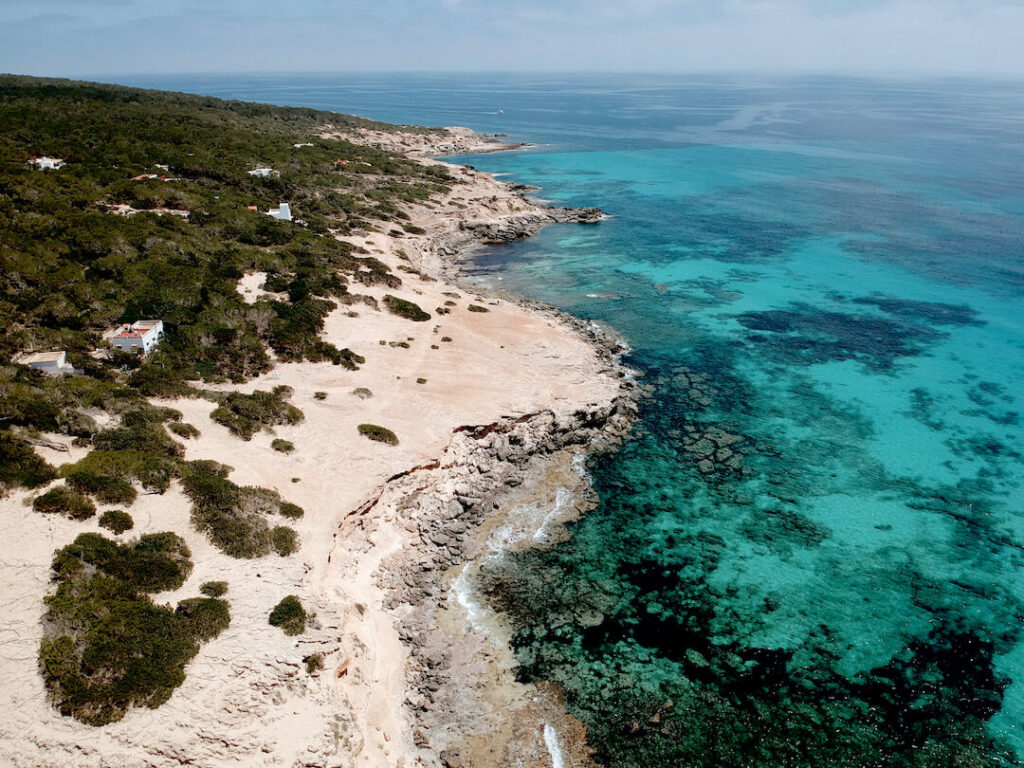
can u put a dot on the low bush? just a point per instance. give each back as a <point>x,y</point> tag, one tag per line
<point>282,446</point>
<point>116,521</point>
<point>378,434</point>
<point>477,308</point>
<point>153,470</point>
<point>232,517</point>
<point>105,488</point>
<point>205,617</point>
<point>186,431</point>
<point>314,662</point>
<point>107,647</point>
<point>406,309</point>
<point>291,511</point>
<point>21,466</point>
<point>289,615</point>
<point>245,415</point>
<point>66,502</point>
<point>214,588</point>
<point>284,540</point>
<point>320,395</point>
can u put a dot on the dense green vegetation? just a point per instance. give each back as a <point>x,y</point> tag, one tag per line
<point>64,501</point>
<point>314,662</point>
<point>289,615</point>
<point>406,309</point>
<point>235,517</point>
<point>245,415</point>
<point>116,521</point>
<point>107,646</point>
<point>71,266</point>
<point>282,446</point>
<point>378,434</point>
<point>214,588</point>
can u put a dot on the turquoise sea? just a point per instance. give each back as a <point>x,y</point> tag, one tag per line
<point>811,551</point>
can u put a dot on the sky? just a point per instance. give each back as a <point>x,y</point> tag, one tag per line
<point>79,38</point>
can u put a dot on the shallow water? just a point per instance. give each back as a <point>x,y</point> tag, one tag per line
<point>811,553</point>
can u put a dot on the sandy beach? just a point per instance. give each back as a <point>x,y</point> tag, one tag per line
<point>490,409</point>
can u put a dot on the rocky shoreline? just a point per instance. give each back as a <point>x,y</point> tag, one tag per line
<point>446,506</point>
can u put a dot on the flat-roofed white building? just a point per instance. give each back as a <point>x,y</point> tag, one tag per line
<point>141,337</point>
<point>282,212</point>
<point>52,363</point>
<point>263,172</point>
<point>47,163</point>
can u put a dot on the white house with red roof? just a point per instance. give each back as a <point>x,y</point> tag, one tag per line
<point>141,337</point>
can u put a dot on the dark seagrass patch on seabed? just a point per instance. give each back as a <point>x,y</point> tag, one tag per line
<point>807,335</point>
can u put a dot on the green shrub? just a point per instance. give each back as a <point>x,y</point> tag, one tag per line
<point>291,511</point>
<point>378,434</point>
<point>477,308</point>
<point>205,617</point>
<point>116,521</point>
<point>64,501</point>
<point>233,517</point>
<point>406,309</point>
<point>214,588</point>
<point>284,540</point>
<point>186,431</point>
<point>289,615</point>
<point>153,470</point>
<point>107,647</point>
<point>105,488</point>
<point>314,662</point>
<point>320,395</point>
<point>21,466</point>
<point>245,415</point>
<point>282,446</point>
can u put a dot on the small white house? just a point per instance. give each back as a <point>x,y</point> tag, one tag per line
<point>51,363</point>
<point>282,212</point>
<point>303,144</point>
<point>47,163</point>
<point>141,337</point>
<point>262,172</point>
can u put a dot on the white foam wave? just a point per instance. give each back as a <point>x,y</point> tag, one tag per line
<point>554,747</point>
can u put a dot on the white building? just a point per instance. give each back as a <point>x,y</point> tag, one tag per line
<point>142,336</point>
<point>47,163</point>
<point>282,212</point>
<point>303,144</point>
<point>52,363</point>
<point>263,172</point>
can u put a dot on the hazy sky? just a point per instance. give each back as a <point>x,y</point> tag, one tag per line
<point>83,37</point>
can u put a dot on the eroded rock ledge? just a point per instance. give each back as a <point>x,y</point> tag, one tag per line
<point>442,508</point>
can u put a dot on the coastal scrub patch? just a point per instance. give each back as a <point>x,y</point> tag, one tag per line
<point>378,434</point>
<point>64,501</point>
<point>107,647</point>
<point>282,446</point>
<point>406,309</point>
<point>214,588</point>
<point>314,662</point>
<point>284,540</point>
<point>245,414</point>
<point>116,521</point>
<point>477,308</point>
<point>232,517</point>
<point>184,430</point>
<point>21,466</point>
<point>289,615</point>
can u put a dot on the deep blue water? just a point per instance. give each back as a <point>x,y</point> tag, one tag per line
<point>811,553</point>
